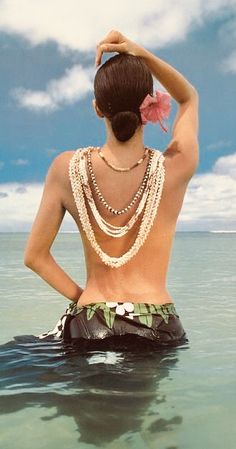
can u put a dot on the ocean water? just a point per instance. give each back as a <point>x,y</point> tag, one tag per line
<point>53,396</point>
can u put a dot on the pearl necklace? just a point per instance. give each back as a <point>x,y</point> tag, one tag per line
<point>108,228</point>
<point>102,199</point>
<point>155,187</point>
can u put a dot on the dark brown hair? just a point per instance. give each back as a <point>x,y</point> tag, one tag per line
<point>120,86</point>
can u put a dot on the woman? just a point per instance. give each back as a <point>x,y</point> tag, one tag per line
<point>125,199</point>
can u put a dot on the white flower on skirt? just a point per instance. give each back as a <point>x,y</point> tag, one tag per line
<point>121,308</point>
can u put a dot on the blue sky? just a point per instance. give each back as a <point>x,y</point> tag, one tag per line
<point>46,90</point>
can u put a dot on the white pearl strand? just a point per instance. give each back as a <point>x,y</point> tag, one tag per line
<point>102,199</point>
<point>157,177</point>
<point>108,228</point>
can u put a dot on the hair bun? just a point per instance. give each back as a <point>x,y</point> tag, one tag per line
<point>124,124</point>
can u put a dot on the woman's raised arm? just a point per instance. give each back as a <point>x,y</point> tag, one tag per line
<point>182,152</point>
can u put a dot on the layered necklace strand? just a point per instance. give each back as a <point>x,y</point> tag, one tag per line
<point>119,168</point>
<point>102,199</point>
<point>108,228</point>
<point>151,202</point>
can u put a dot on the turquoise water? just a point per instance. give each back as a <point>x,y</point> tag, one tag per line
<point>51,396</point>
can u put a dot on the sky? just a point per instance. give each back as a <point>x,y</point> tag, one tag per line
<point>47,52</point>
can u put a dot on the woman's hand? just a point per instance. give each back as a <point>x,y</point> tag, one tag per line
<point>115,41</point>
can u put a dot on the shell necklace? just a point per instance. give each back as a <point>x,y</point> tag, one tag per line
<point>150,202</point>
<point>102,199</point>
<point>108,228</point>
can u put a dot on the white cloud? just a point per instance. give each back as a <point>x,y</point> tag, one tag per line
<point>227,35</point>
<point>226,165</point>
<point>20,162</point>
<point>229,64</point>
<point>3,194</point>
<point>219,145</point>
<point>74,85</point>
<point>35,100</point>
<point>78,26</point>
<point>19,204</point>
<point>211,197</point>
<point>21,189</point>
<point>208,204</point>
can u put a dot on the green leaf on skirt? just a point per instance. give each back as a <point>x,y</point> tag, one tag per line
<point>109,317</point>
<point>146,319</point>
<point>90,312</point>
<point>140,308</point>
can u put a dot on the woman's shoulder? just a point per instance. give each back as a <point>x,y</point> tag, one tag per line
<point>61,161</point>
<point>66,155</point>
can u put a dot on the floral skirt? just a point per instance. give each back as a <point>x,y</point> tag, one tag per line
<point>108,324</point>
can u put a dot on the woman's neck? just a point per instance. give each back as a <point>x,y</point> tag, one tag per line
<point>125,153</point>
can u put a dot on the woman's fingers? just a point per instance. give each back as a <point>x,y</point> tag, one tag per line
<point>111,43</point>
<point>115,41</point>
<point>108,48</point>
<point>113,37</point>
<point>99,55</point>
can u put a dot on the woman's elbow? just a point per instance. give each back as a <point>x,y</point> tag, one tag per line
<point>195,92</point>
<point>33,260</point>
<point>29,259</point>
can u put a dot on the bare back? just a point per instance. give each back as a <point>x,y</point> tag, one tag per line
<point>143,278</point>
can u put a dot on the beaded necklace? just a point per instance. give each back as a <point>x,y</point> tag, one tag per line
<point>150,202</point>
<point>108,228</point>
<point>102,199</point>
<point>119,168</point>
